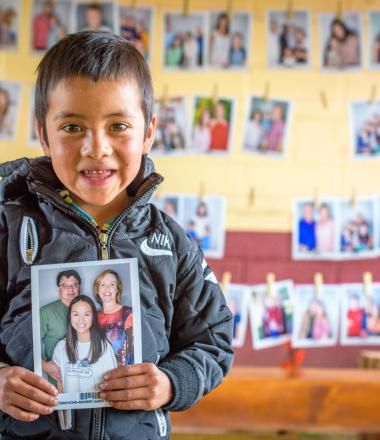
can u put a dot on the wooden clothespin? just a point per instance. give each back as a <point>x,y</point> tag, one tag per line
<point>251,197</point>
<point>373,94</point>
<point>270,283</point>
<point>133,4</point>
<point>185,7</point>
<point>339,10</point>
<point>318,283</point>
<point>229,8</point>
<point>353,198</point>
<point>368,283</point>
<point>290,12</point>
<point>323,98</point>
<point>215,94</point>
<point>266,91</point>
<point>164,97</point>
<point>316,199</point>
<point>202,190</point>
<point>226,281</point>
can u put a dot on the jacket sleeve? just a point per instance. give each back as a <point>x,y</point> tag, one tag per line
<point>201,333</point>
<point>3,282</point>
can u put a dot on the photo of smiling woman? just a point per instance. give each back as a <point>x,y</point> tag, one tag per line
<point>115,319</point>
<point>85,355</point>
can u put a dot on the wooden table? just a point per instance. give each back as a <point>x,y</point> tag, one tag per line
<point>261,399</point>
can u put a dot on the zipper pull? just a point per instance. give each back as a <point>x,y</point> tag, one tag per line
<point>103,237</point>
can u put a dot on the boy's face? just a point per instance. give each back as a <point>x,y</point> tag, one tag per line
<point>95,133</point>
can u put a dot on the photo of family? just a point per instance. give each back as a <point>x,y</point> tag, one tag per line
<point>374,39</point>
<point>271,314</point>
<point>184,41</point>
<point>212,125</point>
<point>237,298</point>
<point>9,23</point>
<point>288,39</point>
<point>315,316</point>
<point>315,233</point>
<point>86,321</point>
<point>358,227</point>
<point>51,21</point>
<point>267,126</point>
<point>33,138</point>
<point>10,95</point>
<point>90,16</point>
<point>135,25</point>
<point>341,41</point>
<point>228,43</point>
<point>360,312</point>
<point>203,219</point>
<point>171,130</point>
<point>365,128</point>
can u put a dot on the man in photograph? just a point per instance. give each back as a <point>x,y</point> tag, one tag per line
<point>53,319</point>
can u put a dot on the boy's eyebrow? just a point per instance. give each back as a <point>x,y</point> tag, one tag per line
<point>123,113</point>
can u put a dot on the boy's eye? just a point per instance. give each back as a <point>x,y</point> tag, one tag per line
<point>72,128</point>
<point>118,127</point>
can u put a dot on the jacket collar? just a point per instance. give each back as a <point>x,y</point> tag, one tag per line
<point>38,175</point>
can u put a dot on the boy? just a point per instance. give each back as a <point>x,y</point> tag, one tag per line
<point>88,200</point>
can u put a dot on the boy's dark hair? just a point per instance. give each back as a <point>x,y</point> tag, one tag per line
<point>98,340</point>
<point>97,56</point>
<point>68,274</point>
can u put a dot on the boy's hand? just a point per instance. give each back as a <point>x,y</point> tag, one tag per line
<point>24,395</point>
<point>51,369</point>
<point>136,387</point>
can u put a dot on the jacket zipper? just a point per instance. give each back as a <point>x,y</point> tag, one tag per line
<point>103,238</point>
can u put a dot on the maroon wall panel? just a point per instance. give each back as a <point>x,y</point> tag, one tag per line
<point>249,256</point>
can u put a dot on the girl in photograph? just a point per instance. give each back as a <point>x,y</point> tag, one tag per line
<point>115,319</point>
<point>220,42</point>
<point>85,355</point>
<point>342,48</point>
<point>315,324</point>
<point>202,132</point>
<point>324,231</point>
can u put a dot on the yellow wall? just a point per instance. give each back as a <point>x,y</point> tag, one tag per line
<point>318,158</point>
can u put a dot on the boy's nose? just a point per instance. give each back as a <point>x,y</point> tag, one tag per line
<point>96,146</point>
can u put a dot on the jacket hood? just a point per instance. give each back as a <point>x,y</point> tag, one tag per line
<point>39,175</point>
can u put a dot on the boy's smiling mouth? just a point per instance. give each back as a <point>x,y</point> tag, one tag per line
<point>97,175</point>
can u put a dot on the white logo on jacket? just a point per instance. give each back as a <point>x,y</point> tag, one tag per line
<point>157,239</point>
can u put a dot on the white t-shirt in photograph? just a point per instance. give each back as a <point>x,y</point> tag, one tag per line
<point>83,376</point>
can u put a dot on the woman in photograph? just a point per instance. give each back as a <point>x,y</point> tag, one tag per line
<point>254,132</point>
<point>342,48</point>
<point>85,355</point>
<point>324,230</point>
<point>202,132</point>
<point>220,42</point>
<point>115,319</point>
<point>219,129</point>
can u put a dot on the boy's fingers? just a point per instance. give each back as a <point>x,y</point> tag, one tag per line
<point>125,383</point>
<point>37,395</point>
<point>130,370</point>
<point>126,395</point>
<point>19,414</point>
<point>38,382</point>
<point>32,406</point>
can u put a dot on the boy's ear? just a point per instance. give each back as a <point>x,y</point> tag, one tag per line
<point>150,134</point>
<point>43,142</point>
